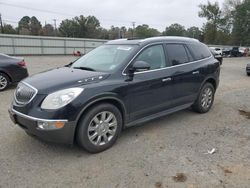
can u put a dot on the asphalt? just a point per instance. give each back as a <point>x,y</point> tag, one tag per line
<point>167,152</point>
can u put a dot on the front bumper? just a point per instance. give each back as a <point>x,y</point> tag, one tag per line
<point>63,135</point>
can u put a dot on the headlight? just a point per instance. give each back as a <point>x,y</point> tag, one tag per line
<point>60,98</point>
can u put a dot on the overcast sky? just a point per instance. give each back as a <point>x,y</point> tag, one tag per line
<point>155,13</point>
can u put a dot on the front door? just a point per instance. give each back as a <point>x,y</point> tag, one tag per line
<point>150,91</point>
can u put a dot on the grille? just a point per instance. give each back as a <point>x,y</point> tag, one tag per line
<point>24,93</point>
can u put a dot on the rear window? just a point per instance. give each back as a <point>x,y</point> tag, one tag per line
<point>200,51</point>
<point>177,54</point>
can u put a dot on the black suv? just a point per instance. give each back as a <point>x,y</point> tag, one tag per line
<point>117,85</point>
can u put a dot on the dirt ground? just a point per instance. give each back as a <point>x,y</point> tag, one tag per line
<point>167,152</point>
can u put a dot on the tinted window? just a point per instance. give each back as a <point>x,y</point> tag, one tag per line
<point>200,51</point>
<point>177,54</point>
<point>154,56</point>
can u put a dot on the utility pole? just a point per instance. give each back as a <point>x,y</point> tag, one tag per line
<point>55,25</point>
<point>1,23</point>
<point>133,24</point>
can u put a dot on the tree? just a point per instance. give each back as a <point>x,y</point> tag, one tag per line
<point>29,26</point>
<point>194,32</point>
<point>215,21</point>
<point>144,31</point>
<point>8,29</point>
<point>35,26</point>
<point>24,26</point>
<point>92,26</point>
<point>241,24</point>
<point>68,28</point>
<point>48,30</point>
<point>174,30</point>
<point>83,27</point>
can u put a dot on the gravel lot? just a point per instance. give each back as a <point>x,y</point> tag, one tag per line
<point>167,152</point>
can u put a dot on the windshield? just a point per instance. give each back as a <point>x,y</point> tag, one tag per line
<point>104,58</point>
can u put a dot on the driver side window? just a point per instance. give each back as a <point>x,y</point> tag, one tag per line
<point>154,56</point>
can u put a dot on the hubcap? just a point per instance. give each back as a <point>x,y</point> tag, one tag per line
<point>207,97</point>
<point>102,128</point>
<point>3,82</point>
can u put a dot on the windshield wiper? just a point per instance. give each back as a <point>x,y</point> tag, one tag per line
<point>85,68</point>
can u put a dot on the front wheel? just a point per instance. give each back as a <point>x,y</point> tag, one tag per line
<point>99,128</point>
<point>205,99</point>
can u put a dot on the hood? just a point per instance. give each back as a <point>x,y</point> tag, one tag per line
<point>65,77</point>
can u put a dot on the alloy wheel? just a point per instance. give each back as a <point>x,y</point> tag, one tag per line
<point>102,128</point>
<point>207,98</point>
<point>3,82</point>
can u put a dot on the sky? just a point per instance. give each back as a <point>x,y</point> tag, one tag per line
<point>156,13</point>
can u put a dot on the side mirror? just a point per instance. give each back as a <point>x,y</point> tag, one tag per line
<point>139,66</point>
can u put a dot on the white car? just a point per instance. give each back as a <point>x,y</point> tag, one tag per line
<point>218,50</point>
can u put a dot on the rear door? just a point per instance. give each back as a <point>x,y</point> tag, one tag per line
<point>186,74</point>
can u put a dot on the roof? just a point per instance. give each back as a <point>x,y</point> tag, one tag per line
<point>152,40</point>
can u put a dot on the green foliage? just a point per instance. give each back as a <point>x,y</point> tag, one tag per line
<point>144,31</point>
<point>80,27</point>
<point>194,32</point>
<point>29,26</point>
<point>48,30</point>
<point>228,26</point>
<point>217,28</point>
<point>7,28</point>
<point>241,24</point>
<point>35,26</point>
<point>175,30</point>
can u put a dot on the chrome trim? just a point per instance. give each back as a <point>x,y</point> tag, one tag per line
<point>123,72</point>
<point>21,103</point>
<point>36,119</point>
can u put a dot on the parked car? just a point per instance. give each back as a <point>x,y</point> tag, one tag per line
<point>217,50</point>
<point>244,51</point>
<point>217,55</point>
<point>235,52</point>
<point>248,69</point>
<point>117,85</point>
<point>226,52</point>
<point>12,70</point>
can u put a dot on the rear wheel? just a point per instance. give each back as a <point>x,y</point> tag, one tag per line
<point>4,81</point>
<point>248,73</point>
<point>205,99</point>
<point>99,128</point>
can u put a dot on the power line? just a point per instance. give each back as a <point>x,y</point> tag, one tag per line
<point>35,9</point>
<point>57,13</point>
<point>65,14</point>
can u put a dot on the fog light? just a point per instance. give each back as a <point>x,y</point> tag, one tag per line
<point>46,125</point>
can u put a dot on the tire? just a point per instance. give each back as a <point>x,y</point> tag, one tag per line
<point>248,73</point>
<point>4,81</point>
<point>97,121</point>
<point>205,99</point>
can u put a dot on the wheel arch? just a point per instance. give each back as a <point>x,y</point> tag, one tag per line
<point>212,81</point>
<point>4,72</point>
<point>107,99</point>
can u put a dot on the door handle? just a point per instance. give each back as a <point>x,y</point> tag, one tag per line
<point>196,72</point>
<point>166,79</point>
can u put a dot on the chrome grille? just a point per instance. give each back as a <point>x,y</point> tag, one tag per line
<point>24,93</point>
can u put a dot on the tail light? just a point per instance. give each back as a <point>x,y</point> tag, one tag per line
<point>22,64</point>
